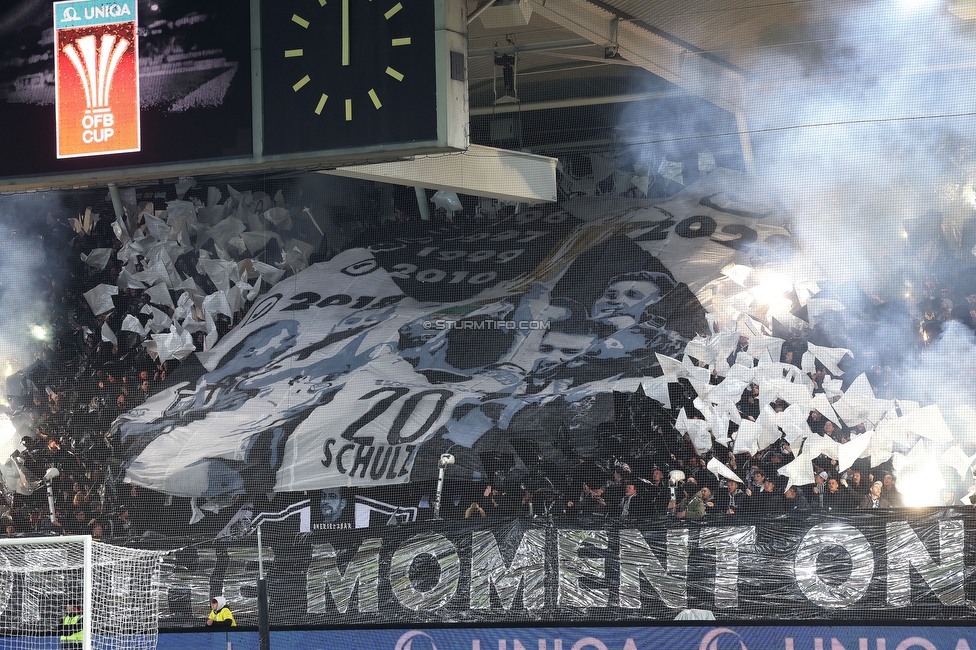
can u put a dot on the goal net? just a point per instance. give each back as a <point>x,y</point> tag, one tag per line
<point>47,583</point>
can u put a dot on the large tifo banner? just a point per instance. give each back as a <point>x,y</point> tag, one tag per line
<point>869,566</point>
<point>360,371</point>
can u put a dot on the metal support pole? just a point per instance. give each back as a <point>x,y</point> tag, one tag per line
<point>422,203</point>
<point>480,9</point>
<point>745,142</point>
<point>257,81</point>
<point>264,626</point>
<point>50,498</point>
<point>440,491</point>
<point>86,603</point>
<point>113,191</point>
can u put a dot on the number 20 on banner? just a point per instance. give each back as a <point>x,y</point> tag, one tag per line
<point>96,77</point>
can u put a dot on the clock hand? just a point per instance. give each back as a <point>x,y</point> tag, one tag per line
<point>345,32</point>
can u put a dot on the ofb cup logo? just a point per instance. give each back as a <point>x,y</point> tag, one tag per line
<point>101,60</point>
<point>405,642</point>
<point>96,77</point>
<point>711,640</point>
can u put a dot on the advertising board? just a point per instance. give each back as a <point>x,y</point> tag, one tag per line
<point>677,637</point>
<point>96,86</point>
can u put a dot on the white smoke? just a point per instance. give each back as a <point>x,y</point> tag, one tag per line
<point>861,120</point>
<point>868,128</point>
<point>25,279</point>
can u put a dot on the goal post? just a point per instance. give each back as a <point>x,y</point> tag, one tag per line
<point>114,589</point>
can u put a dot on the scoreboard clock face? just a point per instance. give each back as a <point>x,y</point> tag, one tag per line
<point>345,74</point>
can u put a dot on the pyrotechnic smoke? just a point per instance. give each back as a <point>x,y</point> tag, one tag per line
<point>862,126</point>
<point>26,274</point>
<point>865,136</point>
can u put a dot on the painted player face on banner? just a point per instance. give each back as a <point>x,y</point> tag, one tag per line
<point>332,505</point>
<point>561,348</point>
<point>626,297</point>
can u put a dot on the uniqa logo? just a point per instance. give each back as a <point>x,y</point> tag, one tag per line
<point>405,642</point>
<point>710,641</point>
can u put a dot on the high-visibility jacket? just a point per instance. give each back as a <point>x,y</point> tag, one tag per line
<point>223,618</point>
<point>70,623</point>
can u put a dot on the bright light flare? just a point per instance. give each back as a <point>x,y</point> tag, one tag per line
<point>40,333</point>
<point>9,442</point>
<point>921,486</point>
<point>969,194</point>
<point>771,290</point>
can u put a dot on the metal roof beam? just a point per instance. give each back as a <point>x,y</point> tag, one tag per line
<point>662,57</point>
<point>665,58</point>
<point>545,46</point>
<point>574,102</point>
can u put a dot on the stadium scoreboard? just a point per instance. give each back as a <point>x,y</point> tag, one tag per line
<point>128,90</point>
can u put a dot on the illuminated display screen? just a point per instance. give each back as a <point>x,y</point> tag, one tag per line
<point>95,91</point>
<point>192,89</point>
<point>96,78</point>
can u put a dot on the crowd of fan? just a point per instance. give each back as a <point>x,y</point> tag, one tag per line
<point>632,479</point>
<point>655,472</point>
<point>77,385</point>
<point>698,496</point>
<point>80,383</point>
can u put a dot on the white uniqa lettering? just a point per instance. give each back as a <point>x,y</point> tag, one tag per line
<point>557,644</point>
<point>107,11</point>
<point>863,643</point>
<point>589,641</point>
<point>916,642</point>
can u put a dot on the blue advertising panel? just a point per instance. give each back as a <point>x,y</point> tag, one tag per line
<point>685,637</point>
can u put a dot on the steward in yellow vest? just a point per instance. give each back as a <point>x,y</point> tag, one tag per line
<point>220,614</point>
<point>72,630</point>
